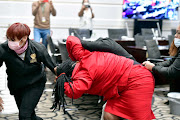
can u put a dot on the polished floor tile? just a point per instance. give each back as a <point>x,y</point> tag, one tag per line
<point>87,107</point>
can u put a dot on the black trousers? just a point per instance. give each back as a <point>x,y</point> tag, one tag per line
<point>27,99</point>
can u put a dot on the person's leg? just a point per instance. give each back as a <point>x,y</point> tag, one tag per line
<point>37,35</point>
<point>18,100</point>
<point>134,100</point>
<point>109,116</point>
<point>102,115</point>
<point>44,34</point>
<point>28,101</point>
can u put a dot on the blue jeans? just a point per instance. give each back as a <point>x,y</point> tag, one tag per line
<point>41,33</point>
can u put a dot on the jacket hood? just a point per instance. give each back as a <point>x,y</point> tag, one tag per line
<point>75,49</point>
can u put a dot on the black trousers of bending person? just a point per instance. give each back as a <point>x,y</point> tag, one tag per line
<point>27,99</point>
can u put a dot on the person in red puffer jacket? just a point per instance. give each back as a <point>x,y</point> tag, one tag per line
<point>127,87</point>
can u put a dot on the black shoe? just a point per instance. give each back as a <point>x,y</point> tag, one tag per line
<point>38,118</point>
<point>167,103</point>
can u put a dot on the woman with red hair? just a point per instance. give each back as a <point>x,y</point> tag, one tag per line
<point>24,60</point>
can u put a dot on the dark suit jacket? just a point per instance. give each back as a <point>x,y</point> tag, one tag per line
<point>22,73</point>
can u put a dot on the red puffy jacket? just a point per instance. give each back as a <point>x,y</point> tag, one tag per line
<point>97,73</point>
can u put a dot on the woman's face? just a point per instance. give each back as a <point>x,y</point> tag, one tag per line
<point>86,1</point>
<point>22,40</point>
<point>177,35</point>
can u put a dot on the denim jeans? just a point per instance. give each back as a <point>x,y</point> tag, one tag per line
<point>41,33</point>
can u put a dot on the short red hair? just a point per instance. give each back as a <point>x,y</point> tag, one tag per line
<point>18,30</point>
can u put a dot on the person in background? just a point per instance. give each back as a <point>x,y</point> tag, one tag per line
<point>86,15</point>
<point>24,59</point>
<point>1,104</point>
<point>169,69</point>
<point>127,86</point>
<point>41,10</point>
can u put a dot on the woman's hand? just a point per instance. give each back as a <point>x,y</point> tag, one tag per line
<point>55,70</point>
<point>148,65</point>
<point>1,106</point>
<point>83,7</point>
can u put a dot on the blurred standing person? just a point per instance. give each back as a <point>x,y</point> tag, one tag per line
<point>41,10</point>
<point>86,15</point>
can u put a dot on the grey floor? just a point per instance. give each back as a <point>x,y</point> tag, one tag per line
<point>87,108</point>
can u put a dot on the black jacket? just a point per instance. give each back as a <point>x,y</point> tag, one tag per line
<point>107,45</point>
<point>169,69</point>
<point>22,73</point>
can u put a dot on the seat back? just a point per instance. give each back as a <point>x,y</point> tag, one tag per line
<point>173,31</point>
<point>63,51</point>
<point>52,47</point>
<point>71,30</point>
<point>170,39</point>
<point>74,31</point>
<point>84,33</point>
<point>146,32</point>
<point>80,33</point>
<point>152,49</point>
<point>116,34</point>
<point>148,37</point>
<point>139,40</point>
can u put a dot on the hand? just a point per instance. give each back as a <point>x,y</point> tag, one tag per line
<point>1,106</point>
<point>50,2</point>
<point>55,79</point>
<point>148,65</point>
<point>55,70</point>
<point>40,1</point>
<point>83,7</point>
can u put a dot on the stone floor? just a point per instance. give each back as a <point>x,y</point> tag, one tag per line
<point>87,107</point>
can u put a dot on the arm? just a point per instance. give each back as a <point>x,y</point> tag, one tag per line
<point>170,71</point>
<point>35,7</point>
<point>106,45</point>
<point>1,106</point>
<point>81,12</point>
<point>165,63</point>
<point>81,83</point>
<point>46,59</point>
<point>92,13</point>
<point>53,10</point>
